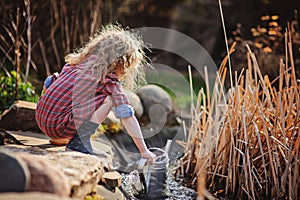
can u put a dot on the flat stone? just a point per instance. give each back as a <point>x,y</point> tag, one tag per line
<point>32,196</point>
<point>112,179</point>
<point>7,138</point>
<point>20,116</point>
<point>108,194</point>
<point>33,139</point>
<point>83,171</point>
<point>42,141</point>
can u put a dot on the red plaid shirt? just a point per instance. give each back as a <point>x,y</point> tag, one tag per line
<point>72,99</point>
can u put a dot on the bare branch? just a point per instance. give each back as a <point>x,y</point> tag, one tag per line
<point>53,30</point>
<point>27,4</point>
<point>44,55</point>
<point>17,52</point>
<point>97,12</point>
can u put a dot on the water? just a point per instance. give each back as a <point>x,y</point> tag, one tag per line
<point>133,186</point>
<point>177,191</point>
<point>155,181</point>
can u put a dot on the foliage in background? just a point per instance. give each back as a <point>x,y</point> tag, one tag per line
<point>45,31</point>
<point>8,90</point>
<point>59,27</point>
<point>267,40</point>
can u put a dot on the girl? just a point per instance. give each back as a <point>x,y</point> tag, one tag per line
<point>89,86</point>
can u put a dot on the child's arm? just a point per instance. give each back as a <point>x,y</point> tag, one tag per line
<point>125,112</point>
<point>133,128</point>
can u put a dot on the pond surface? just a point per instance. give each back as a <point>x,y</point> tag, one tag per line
<point>132,185</point>
<point>163,183</point>
<point>178,191</point>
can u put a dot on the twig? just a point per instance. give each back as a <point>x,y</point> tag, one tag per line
<point>27,4</point>
<point>17,53</point>
<point>53,30</point>
<point>226,42</point>
<point>43,51</point>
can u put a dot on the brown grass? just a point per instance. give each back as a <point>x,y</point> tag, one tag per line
<point>244,143</point>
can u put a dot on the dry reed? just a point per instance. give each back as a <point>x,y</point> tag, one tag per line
<point>244,143</point>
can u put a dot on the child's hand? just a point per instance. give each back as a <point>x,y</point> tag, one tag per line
<point>149,155</point>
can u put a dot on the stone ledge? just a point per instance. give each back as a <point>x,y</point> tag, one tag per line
<point>32,196</point>
<point>82,171</point>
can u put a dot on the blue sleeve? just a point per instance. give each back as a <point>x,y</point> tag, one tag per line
<point>124,111</point>
<point>48,81</point>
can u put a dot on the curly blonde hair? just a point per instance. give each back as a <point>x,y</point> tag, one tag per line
<point>110,48</point>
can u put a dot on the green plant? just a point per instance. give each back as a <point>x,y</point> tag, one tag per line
<point>8,89</point>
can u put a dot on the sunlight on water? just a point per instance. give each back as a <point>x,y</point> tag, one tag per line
<point>132,184</point>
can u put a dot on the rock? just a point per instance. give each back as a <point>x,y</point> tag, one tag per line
<point>44,176</point>
<point>20,116</point>
<point>7,138</point>
<point>151,95</point>
<point>112,179</point>
<point>157,106</point>
<point>14,173</point>
<point>136,103</point>
<point>2,140</point>
<point>108,194</point>
<point>32,196</point>
<point>82,171</point>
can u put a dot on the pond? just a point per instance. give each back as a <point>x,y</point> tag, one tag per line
<point>126,161</point>
<point>155,181</point>
<point>175,188</point>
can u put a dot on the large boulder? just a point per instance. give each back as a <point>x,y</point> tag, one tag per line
<point>157,105</point>
<point>136,103</point>
<point>151,95</point>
